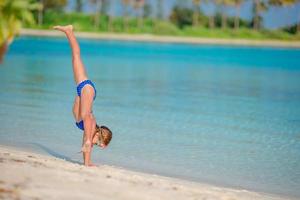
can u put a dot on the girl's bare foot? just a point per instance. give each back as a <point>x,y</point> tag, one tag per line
<point>65,29</point>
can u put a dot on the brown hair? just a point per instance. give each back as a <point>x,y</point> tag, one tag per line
<point>105,134</point>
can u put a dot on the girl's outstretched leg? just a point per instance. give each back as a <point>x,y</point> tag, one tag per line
<point>78,67</point>
<point>87,95</point>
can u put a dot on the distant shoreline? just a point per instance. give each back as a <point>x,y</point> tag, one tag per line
<point>165,39</point>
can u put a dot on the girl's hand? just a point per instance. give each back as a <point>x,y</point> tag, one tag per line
<point>92,165</point>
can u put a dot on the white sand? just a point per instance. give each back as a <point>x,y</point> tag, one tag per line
<point>26,175</point>
<point>166,39</point>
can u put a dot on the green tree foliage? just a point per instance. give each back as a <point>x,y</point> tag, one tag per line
<point>237,4</point>
<point>126,6</point>
<point>105,5</point>
<point>259,6</point>
<point>147,10</point>
<point>57,5</point>
<point>54,4</point>
<point>196,6</point>
<point>181,16</point>
<point>282,2</point>
<point>223,4</point>
<point>138,6</point>
<point>101,8</point>
<point>291,29</point>
<point>13,13</point>
<point>287,3</point>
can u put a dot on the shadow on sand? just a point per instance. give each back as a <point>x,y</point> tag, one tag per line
<point>55,154</point>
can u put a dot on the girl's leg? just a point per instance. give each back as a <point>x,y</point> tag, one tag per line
<point>78,67</point>
<point>76,109</point>
<point>87,94</point>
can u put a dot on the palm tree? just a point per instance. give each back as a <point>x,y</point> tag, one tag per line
<point>285,3</point>
<point>211,17</point>
<point>40,13</point>
<point>78,5</point>
<point>49,4</point>
<point>259,6</point>
<point>12,14</point>
<point>98,5</point>
<point>237,4</point>
<point>138,6</point>
<point>298,24</point>
<point>126,4</point>
<point>224,4</point>
<point>160,9</point>
<point>110,22</point>
<point>196,4</point>
<point>159,13</point>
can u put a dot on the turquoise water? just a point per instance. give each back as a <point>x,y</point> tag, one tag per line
<point>217,114</point>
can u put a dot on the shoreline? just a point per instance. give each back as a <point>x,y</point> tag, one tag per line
<point>54,178</point>
<point>165,39</point>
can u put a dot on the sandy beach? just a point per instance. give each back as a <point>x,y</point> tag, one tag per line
<point>166,39</point>
<point>27,175</point>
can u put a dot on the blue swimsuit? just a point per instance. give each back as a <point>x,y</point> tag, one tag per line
<point>81,85</point>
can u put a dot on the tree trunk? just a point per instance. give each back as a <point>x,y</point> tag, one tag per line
<point>159,13</point>
<point>40,13</point>
<point>140,19</point>
<point>211,22</point>
<point>196,14</point>
<point>125,18</point>
<point>159,9</point>
<point>3,49</point>
<point>237,17</point>
<point>78,5</point>
<point>110,23</point>
<point>256,15</point>
<point>140,22</point>
<point>97,14</point>
<point>196,18</point>
<point>126,22</point>
<point>224,20</point>
<point>298,25</point>
<point>224,17</point>
<point>40,17</point>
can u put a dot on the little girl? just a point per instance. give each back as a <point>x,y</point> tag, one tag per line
<point>82,108</point>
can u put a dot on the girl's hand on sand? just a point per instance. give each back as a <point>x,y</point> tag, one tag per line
<point>92,165</point>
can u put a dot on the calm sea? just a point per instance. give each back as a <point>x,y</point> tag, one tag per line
<point>223,115</point>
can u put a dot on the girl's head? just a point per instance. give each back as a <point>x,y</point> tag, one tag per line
<point>102,136</point>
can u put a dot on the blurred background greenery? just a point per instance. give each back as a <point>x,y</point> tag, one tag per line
<point>138,17</point>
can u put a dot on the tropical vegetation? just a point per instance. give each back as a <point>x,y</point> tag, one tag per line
<point>13,13</point>
<point>137,16</point>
